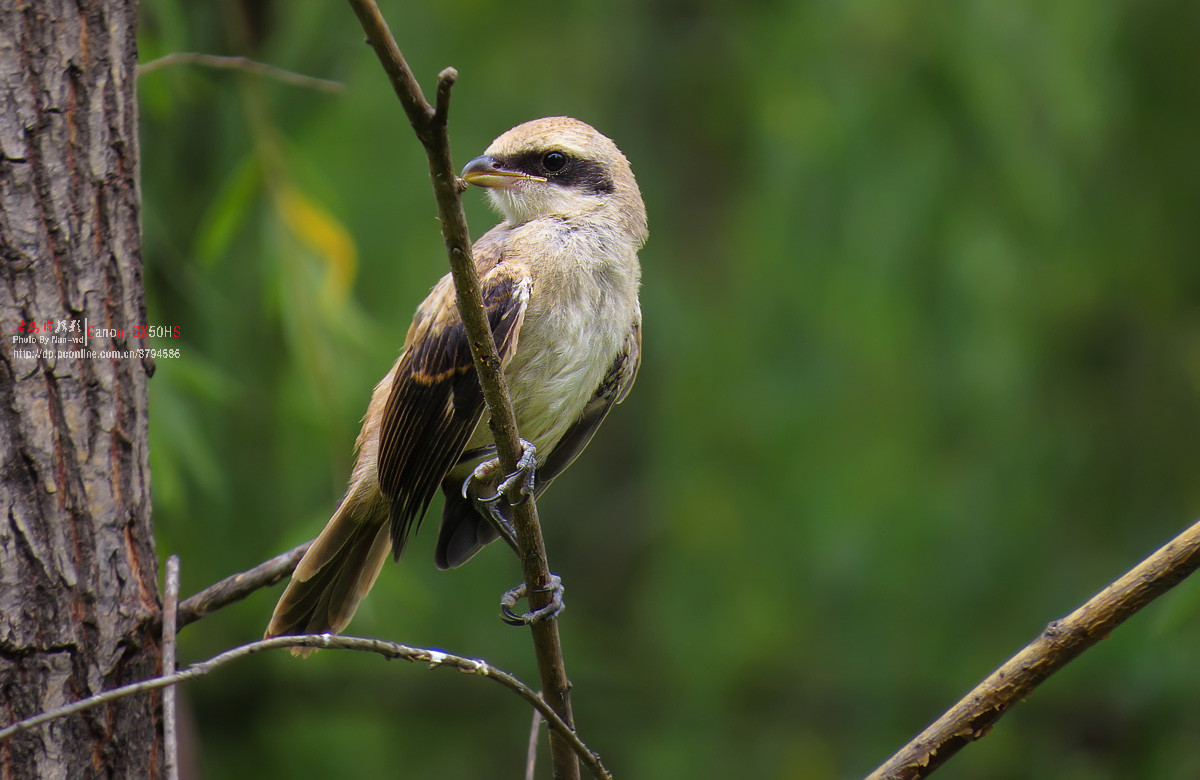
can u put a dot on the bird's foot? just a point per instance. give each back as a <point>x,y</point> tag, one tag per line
<point>507,491</point>
<point>508,603</point>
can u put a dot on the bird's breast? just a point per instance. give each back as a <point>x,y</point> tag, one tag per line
<point>573,330</point>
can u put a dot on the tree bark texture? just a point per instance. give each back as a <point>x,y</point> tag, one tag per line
<point>78,575</point>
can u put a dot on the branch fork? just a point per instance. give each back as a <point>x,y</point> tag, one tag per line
<point>430,125</point>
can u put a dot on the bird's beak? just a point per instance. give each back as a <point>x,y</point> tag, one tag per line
<point>487,171</point>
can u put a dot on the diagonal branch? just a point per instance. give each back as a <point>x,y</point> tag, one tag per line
<point>1059,644</point>
<point>238,586</point>
<point>429,123</point>
<point>242,64</point>
<point>435,659</point>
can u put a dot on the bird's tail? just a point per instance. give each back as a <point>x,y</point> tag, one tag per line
<point>337,571</point>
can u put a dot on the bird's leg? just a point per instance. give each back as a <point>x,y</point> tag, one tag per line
<point>517,487</point>
<point>509,601</point>
<point>507,491</point>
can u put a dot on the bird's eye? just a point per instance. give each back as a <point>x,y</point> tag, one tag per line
<point>554,162</point>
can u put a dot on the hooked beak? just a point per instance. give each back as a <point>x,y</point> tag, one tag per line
<point>486,171</point>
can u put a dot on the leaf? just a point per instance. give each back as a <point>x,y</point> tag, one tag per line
<point>226,212</point>
<point>325,235</point>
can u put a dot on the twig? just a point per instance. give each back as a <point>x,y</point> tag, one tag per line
<point>429,123</point>
<point>170,610</point>
<point>535,729</point>
<point>1060,643</point>
<point>239,586</point>
<point>435,659</point>
<point>240,63</point>
<point>232,589</point>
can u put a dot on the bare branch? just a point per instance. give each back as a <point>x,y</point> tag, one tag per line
<point>170,611</point>
<point>535,729</point>
<point>393,62</point>
<point>238,586</point>
<point>243,64</point>
<point>434,658</point>
<point>1059,644</point>
<point>446,79</point>
<point>430,127</point>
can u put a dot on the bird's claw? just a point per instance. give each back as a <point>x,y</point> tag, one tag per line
<point>512,490</point>
<point>517,487</point>
<point>508,603</point>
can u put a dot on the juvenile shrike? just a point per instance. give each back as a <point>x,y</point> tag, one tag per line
<point>560,280</point>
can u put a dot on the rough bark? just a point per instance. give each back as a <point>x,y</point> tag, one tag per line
<point>78,575</point>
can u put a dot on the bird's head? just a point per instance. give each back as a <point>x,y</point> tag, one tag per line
<point>559,166</point>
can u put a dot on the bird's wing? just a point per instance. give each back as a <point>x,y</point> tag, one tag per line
<point>436,400</point>
<point>612,390</point>
<point>465,532</point>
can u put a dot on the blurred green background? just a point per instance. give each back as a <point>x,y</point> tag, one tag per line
<point>921,374</point>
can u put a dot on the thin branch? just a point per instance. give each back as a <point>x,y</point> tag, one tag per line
<point>238,586</point>
<point>535,729</point>
<point>390,650</point>
<point>243,64</point>
<point>170,611</point>
<point>1060,643</point>
<point>430,127</point>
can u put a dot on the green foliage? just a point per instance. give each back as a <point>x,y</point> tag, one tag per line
<point>922,372</point>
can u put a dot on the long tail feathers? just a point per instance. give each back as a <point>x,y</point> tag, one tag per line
<point>335,574</point>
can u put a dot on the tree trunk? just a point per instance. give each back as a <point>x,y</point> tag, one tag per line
<point>78,575</point>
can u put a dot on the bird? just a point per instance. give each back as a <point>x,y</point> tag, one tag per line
<point>560,277</point>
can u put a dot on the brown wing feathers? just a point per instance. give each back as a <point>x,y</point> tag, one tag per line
<point>436,401</point>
